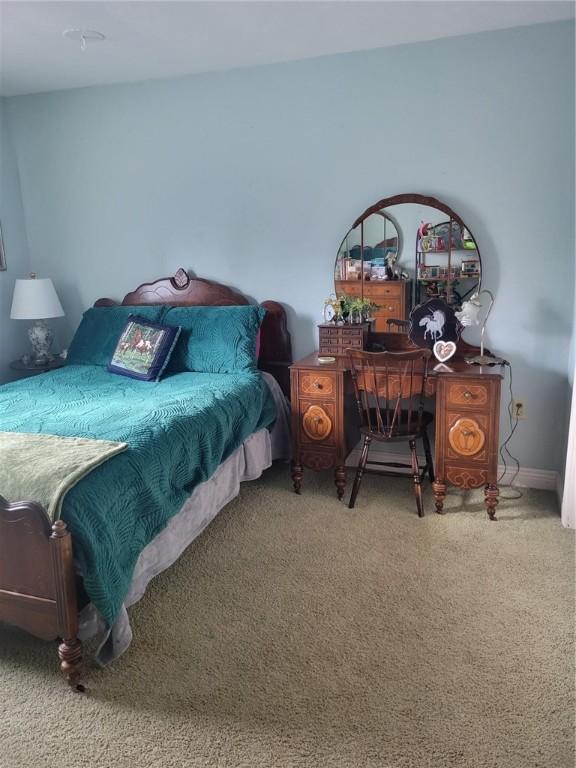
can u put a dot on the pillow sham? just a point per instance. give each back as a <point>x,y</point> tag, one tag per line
<point>215,339</point>
<point>143,349</point>
<point>97,335</point>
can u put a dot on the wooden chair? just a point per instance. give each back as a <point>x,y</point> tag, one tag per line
<point>390,388</point>
<point>400,325</point>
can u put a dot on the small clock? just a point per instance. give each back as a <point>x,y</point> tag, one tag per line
<point>329,311</point>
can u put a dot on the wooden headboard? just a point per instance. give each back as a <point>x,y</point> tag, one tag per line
<point>183,290</point>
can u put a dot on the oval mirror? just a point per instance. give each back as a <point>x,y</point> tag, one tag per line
<point>403,251</point>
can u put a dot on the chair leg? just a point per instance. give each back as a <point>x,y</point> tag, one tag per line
<point>428,452</point>
<point>359,471</point>
<point>416,474</point>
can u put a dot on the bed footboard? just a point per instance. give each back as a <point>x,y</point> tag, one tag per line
<point>37,586</point>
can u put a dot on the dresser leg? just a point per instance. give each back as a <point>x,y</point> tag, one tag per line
<point>439,489</point>
<point>491,500</point>
<point>340,480</point>
<point>297,475</point>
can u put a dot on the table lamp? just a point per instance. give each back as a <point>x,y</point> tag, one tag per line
<point>470,315</point>
<point>36,299</point>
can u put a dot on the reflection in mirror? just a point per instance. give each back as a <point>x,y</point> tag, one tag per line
<point>403,251</point>
<point>447,263</point>
<point>368,248</point>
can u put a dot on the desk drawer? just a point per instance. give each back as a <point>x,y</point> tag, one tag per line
<point>386,290</point>
<point>349,287</point>
<point>317,422</point>
<point>468,436</point>
<point>389,308</point>
<point>312,384</point>
<point>468,395</point>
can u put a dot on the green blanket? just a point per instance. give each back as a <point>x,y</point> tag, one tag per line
<point>178,431</point>
<point>45,467</point>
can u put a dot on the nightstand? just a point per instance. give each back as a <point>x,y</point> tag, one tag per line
<point>28,369</point>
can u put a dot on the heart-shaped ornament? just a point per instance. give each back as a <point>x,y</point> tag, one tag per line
<point>444,350</point>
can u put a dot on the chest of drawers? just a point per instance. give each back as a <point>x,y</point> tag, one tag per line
<point>335,339</point>
<point>390,296</point>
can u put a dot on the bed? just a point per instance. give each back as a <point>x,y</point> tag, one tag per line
<point>190,441</point>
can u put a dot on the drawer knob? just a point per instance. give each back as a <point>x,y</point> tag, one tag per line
<point>467,395</point>
<point>390,309</point>
<point>317,385</point>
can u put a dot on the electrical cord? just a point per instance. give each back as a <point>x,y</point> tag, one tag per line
<point>504,450</point>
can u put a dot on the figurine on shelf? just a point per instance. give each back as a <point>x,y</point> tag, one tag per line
<point>392,271</point>
<point>423,229</point>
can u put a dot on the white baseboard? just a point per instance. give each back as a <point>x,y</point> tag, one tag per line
<point>559,488</point>
<point>543,479</point>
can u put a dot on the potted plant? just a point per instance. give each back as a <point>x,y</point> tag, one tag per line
<point>345,306</point>
<point>355,309</point>
<point>367,308</point>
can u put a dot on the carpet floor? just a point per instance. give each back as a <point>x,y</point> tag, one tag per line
<point>297,633</point>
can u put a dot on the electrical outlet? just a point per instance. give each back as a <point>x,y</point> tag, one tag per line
<point>519,409</point>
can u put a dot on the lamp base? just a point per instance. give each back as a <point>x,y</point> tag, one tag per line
<point>484,360</point>
<point>41,338</point>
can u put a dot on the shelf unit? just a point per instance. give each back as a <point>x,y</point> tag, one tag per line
<point>445,240</point>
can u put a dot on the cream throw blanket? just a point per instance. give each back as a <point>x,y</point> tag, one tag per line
<point>43,468</point>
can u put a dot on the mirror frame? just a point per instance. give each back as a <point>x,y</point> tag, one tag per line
<point>428,200</point>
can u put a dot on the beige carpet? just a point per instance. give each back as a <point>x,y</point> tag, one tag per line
<point>298,633</point>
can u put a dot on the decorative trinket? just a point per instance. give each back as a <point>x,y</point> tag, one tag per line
<point>433,321</point>
<point>444,350</point>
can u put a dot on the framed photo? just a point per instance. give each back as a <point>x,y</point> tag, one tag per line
<point>2,252</point>
<point>470,267</point>
<point>433,271</point>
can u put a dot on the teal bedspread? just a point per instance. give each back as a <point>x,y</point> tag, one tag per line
<point>178,431</point>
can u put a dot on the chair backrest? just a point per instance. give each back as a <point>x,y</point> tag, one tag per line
<point>390,388</point>
<point>401,325</point>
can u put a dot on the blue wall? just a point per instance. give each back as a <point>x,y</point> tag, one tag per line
<point>12,333</point>
<point>253,177</point>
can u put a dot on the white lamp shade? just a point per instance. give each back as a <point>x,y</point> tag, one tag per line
<point>35,299</point>
<point>470,313</point>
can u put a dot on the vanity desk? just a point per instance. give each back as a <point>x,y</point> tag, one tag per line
<point>325,423</point>
<point>409,263</point>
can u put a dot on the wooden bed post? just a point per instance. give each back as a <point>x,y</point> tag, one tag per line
<point>70,649</point>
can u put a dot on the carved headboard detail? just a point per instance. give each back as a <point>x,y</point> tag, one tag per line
<point>184,290</point>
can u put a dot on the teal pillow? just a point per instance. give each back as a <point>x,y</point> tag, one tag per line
<point>215,339</point>
<point>95,340</point>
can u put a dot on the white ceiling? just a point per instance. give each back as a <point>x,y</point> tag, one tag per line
<point>150,40</point>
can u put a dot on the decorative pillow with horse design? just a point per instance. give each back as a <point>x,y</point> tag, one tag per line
<point>143,349</point>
